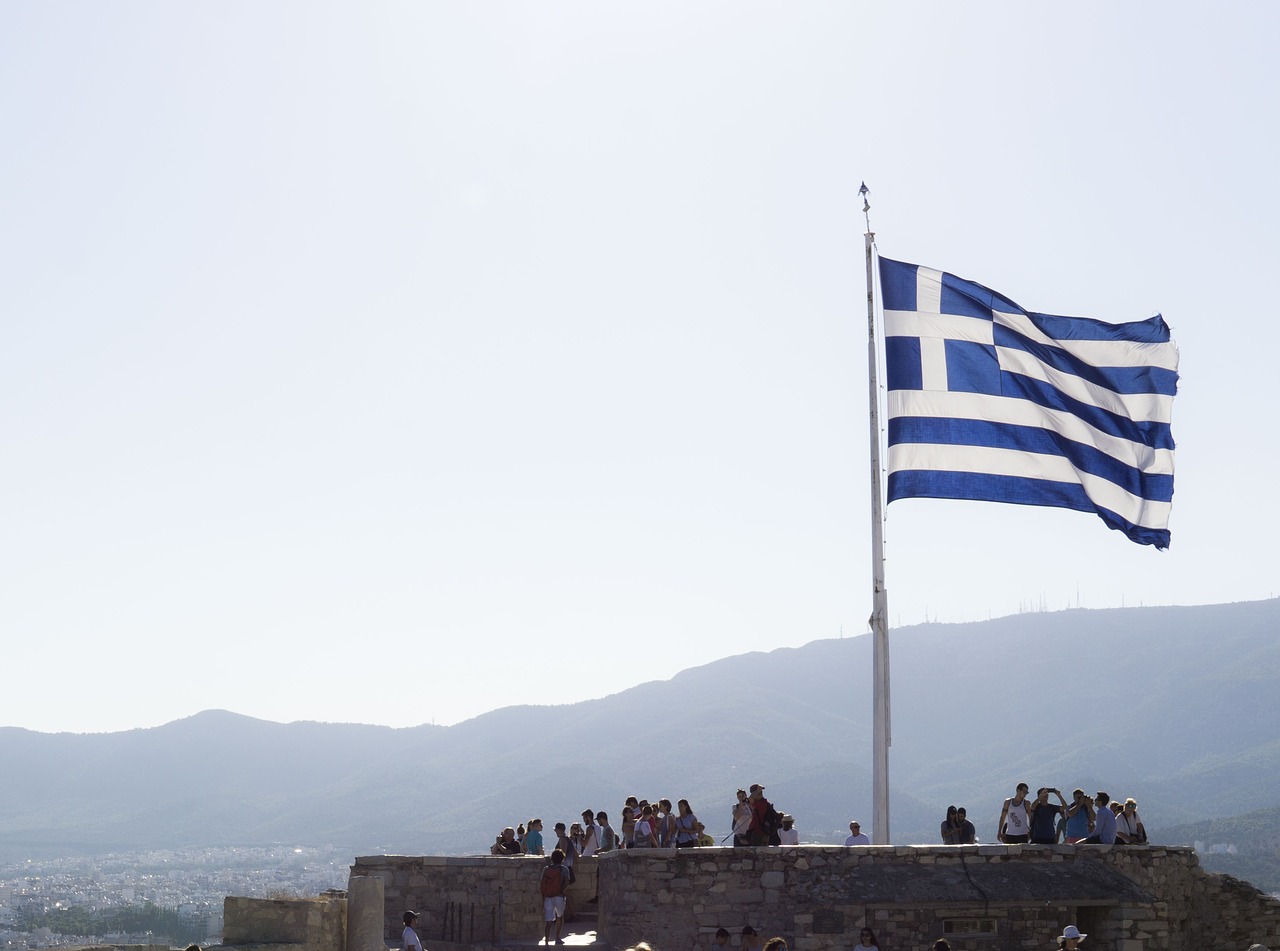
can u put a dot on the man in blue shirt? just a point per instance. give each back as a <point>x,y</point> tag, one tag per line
<point>1104,823</point>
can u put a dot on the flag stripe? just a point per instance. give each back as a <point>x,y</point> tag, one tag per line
<point>1100,353</point>
<point>1000,488</point>
<point>954,458</point>
<point>1030,439</point>
<point>1021,412</point>
<point>1120,379</point>
<point>1154,406</point>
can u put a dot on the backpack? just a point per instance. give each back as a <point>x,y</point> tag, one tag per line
<point>552,883</point>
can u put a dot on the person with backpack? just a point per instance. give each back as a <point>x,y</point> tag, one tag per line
<point>764,821</point>
<point>552,886</point>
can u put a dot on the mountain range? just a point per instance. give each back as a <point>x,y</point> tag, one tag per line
<point>1173,706</point>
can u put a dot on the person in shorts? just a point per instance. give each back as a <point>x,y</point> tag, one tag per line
<point>553,905</point>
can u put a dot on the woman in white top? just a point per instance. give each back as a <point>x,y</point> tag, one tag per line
<point>866,941</point>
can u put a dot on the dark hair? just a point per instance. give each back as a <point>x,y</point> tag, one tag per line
<point>602,816</point>
<point>722,932</point>
<point>747,931</point>
<point>942,944</point>
<point>409,917</point>
<point>557,856</point>
<point>870,932</point>
<point>951,810</point>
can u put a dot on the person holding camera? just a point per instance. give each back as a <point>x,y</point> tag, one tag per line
<point>1044,817</point>
<point>1104,822</point>
<point>1079,817</point>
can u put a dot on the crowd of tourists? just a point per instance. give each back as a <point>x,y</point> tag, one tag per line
<point>644,825</point>
<point>1096,819</point>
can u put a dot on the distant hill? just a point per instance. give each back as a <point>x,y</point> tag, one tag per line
<point>1254,841</point>
<point>1157,703</point>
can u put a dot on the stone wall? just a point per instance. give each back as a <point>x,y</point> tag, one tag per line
<point>470,902</point>
<point>300,924</point>
<point>981,898</point>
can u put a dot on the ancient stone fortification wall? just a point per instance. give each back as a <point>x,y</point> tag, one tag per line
<point>469,901</point>
<point>301,924</point>
<point>981,898</point>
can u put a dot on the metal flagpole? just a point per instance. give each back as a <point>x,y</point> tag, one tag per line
<point>879,620</point>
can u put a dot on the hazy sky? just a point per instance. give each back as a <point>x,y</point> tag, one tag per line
<point>392,362</point>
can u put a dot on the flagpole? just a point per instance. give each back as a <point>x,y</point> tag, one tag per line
<point>879,621</point>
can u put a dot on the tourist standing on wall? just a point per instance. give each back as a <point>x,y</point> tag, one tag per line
<point>568,850</point>
<point>630,813</point>
<point>741,819</point>
<point>950,827</point>
<point>856,835</point>
<point>1044,816</point>
<point>1015,818</point>
<point>761,809</point>
<point>646,831</point>
<point>533,838</point>
<point>608,838</point>
<point>687,826</point>
<point>409,939</point>
<point>788,834</point>
<point>591,834</point>
<point>1079,817</point>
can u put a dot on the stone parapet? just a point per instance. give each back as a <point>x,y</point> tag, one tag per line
<point>471,902</point>
<point>981,898</point>
<point>299,924</point>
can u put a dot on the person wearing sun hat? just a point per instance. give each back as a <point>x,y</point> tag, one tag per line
<point>1070,938</point>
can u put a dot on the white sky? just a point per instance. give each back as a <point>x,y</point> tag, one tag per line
<point>392,362</point>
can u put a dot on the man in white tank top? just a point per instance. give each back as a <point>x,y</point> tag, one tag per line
<point>1015,818</point>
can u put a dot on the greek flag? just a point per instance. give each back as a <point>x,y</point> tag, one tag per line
<point>988,401</point>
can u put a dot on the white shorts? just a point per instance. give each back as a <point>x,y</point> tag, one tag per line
<point>553,908</point>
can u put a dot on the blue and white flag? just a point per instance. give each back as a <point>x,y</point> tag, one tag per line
<point>989,401</point>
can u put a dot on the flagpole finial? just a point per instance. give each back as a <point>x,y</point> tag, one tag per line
<point>864,191</point>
